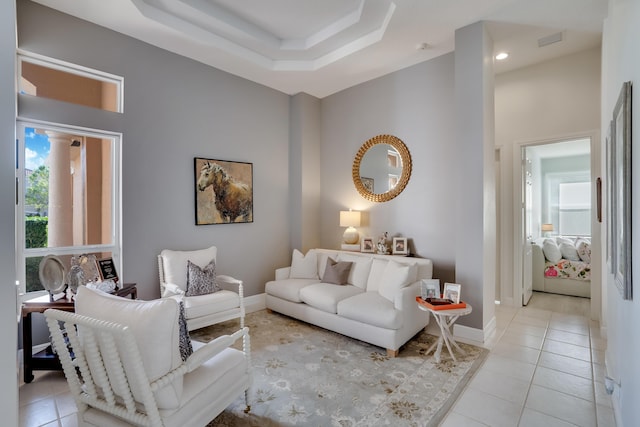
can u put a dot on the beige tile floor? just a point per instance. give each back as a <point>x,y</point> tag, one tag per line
<point>545,368</point>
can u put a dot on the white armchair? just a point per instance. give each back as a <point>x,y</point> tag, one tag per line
<point>201,310</point>
<point>124,366</point>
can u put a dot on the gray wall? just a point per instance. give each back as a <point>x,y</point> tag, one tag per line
<point>415,105</point>
<point>176,109</point>
<point>8,331</point>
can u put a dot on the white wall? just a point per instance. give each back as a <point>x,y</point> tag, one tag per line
<point>416,105</point>
<point>550,100</point>
<point>621,63</point>
<point>8,309</point>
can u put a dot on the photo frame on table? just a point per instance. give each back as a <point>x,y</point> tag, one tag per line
<point>400,246</point>
<point>620,177</point>
<point>452,292</point>
<point>223,191</point>
<point>367,245</point>
<point>429,288</point>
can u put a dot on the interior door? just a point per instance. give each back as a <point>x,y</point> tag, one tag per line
<point>527,250</point>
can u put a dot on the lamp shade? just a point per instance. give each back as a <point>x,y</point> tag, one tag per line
<point>547,227</point>
<point>349,219</point>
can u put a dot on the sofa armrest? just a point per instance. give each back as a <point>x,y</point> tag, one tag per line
<point>537,267</point>
<point>283,273</point>
<point>170,290</point>
<point>405,299</point>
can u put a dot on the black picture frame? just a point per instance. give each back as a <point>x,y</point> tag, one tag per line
<point>620,176</point>
<point>107,269</point>
<point>223,191</point>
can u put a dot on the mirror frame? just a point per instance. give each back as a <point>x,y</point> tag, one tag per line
<point>406,168</point>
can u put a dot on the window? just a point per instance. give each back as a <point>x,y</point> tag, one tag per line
<point>574,208</point>
<point>68,200</point>
<point>48,78</point>
<point>67,177</point>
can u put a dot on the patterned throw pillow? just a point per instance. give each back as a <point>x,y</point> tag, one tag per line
<point>201,281</point>
<point>186,349</point>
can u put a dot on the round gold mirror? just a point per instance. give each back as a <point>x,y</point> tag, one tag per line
<point>382,168</point>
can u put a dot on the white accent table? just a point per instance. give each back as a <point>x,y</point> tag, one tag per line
<point>445,320</point>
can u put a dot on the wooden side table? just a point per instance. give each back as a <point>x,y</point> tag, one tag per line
<point>445,320</point>
<point>46,360</point>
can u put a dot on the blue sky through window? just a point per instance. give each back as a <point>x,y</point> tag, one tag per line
<point>36,149</point>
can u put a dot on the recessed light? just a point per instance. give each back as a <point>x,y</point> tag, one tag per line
<point>502,56</point>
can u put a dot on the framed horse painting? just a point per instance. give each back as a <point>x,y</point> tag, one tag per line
<point>223,191</point>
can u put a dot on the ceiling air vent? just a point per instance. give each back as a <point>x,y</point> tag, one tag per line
<point>553,38</point>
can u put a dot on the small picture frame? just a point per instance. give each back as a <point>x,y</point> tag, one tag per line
<point>107,269</point>
<point>452,292</point>
<point>429,288</point>
<point>400,246</point>
<point>367,245</point>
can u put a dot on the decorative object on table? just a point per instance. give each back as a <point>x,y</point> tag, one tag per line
<point>230,198</point>
<point>383,248</point>
<point>387,159</point>
<point>546,229</point>
<point>87,262</point>
<point>429,288</point>
<point>440,303</point>
<point>107,269</point>
<point>367,245</point>
<point>75,278</point>
<point>620,176</point>
<point>107,286</point>
<point>52,273</point>
<point>452,292</point>
<point>350,238</point>
<point>400,246</point>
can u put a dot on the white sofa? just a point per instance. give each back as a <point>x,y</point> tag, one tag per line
<point>377,305</point>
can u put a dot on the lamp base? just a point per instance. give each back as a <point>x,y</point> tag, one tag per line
<point>352,248</point>
<point>351,236</point>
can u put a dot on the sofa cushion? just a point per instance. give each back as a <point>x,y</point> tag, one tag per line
<point>288,289</point>
<point>326,296</point>
<point>359,273</point>
<point>551,251</point>
<point>336,272</point>
<point>203,305</point>
<point>304,266</point>
<point>395,277</point>
<point>584,250</point>
<point>371,308</point>
<point>375,274</point>
<point>155,326</point>
<point>569,251</point>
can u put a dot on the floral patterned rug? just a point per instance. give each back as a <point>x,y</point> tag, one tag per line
<point>305,375</point>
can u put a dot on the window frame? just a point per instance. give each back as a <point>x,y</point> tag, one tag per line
<point>68,67</point>
<point>22,253</point>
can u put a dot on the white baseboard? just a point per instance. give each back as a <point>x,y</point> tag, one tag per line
<point>255,303</point>
<point>474,334</point>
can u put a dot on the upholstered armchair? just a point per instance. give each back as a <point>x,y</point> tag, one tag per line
<point>180,273</point>
<point>126,364</point>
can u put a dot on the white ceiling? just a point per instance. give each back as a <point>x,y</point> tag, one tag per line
<point>323,46</point>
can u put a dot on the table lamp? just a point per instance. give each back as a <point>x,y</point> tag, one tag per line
<point>350,219</point>
<point>547,229</point>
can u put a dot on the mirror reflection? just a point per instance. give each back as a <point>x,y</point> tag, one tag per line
<point>382,168</point>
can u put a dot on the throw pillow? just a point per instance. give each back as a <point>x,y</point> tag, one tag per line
<point>584,251</point>
<point>336,272</point>
<point>395,277</point>
<point>201,281</point>
<point>186,349</point>
<point>304,266</point>
<point>359,270</point>
<point>568,251</point>
<point>551,251</point>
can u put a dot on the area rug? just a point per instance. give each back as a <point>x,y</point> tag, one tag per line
<point>308,376</point>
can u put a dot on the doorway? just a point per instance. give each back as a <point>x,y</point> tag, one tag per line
<point>555,194</point>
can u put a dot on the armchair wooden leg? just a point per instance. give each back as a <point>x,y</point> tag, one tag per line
<point>269,311</point>
<point>392,353</point>
<point>246,401</point>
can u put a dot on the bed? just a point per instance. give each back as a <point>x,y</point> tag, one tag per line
<point>568,275</point>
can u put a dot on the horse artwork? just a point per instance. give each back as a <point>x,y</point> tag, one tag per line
<point>224,191</point>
